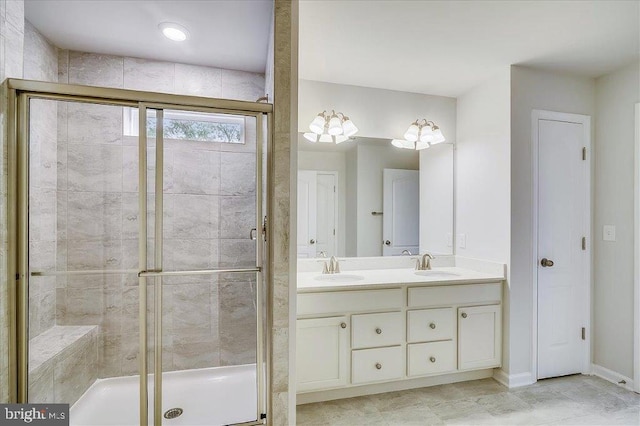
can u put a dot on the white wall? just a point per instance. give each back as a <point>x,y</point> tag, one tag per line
<point>483,170</point>
<point>330,162</point>
<point>616,95</point>
<point>436,199</point>
<point>371,162</point>
<point>351,204</point>
<point>382,114</point>
<point>532,89</point>
<point>483,178</point>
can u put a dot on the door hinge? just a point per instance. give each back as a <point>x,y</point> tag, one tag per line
<point>584,153</point>
<point>263,416</point>
<point>583,333</point>
<point>584,243</point>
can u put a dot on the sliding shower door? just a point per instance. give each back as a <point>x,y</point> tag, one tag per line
<point>140,234</point>
<point>203,265</point>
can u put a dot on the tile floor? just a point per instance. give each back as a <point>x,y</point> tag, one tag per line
<point>573,400</point>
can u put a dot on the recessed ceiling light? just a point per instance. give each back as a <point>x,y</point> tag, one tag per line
<point>173,31</point>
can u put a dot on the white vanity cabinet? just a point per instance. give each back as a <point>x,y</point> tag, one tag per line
<point>394,333</point>
<point>322,353</point>
<point>479,337</point>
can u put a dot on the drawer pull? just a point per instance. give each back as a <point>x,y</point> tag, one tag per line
<point>464,315</point>
<point>343,324</point>
<point>432,325</point>
<point>378,330</point>
<point>432,359</point>
<point>378,366</point>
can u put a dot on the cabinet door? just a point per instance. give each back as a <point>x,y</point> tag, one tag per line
<point>322,353</point>
<point>479,337</point>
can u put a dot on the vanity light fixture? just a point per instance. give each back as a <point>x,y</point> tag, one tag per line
<point>173,31</point>
<point>420,135</point>
<point>331,127</point>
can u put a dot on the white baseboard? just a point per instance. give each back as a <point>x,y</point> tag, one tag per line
<point>513,380</point>
<point>612,376</point>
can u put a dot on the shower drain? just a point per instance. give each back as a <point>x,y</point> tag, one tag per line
<point>173,413</point>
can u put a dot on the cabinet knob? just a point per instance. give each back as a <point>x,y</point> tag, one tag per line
<point>432,359</point>
<point>379,366</point>
<point>312,241</point>
<point>343,324</point>
<point>432,325</point>
<point>378,330</point>
<point>464,315</point>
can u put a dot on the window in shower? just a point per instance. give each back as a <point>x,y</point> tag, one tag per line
<point>190,126</point>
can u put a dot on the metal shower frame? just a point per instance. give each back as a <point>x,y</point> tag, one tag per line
<point>18,94</point>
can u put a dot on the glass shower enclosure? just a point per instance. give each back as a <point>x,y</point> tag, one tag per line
<point>139,254</point>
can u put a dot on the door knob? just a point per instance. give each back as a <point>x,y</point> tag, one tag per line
<point>546,263</point>
<point>387,243</point>
<point>312,241</point>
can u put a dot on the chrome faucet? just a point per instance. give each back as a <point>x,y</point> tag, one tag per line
<point>406,252</point>
<point>331,267</point>
<point>425,263</point>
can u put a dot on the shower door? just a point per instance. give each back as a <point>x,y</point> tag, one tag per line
<point>203,263</point>
<point>139,253</point>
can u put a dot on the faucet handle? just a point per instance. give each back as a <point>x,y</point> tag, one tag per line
<point>325,268</point>
<point>418,266</point>
<point>336,267</point>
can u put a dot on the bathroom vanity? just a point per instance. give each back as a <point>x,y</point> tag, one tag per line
<point>373,330</point>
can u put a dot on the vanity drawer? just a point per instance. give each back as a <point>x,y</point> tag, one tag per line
<point>455,295</point>
<point>349,301</point>
<point>431,358</point>
<point>372,330</point>
<point>428,325</point>
<point>374,365</point>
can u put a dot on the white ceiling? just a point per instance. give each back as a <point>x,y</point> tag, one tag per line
<point>225,34</point>
<point>447,47</point>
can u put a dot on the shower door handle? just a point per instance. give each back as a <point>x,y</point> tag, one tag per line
<point>253,234</point>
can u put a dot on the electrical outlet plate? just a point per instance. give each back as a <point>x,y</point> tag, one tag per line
<point>462,241</point>
<point>609,233</point>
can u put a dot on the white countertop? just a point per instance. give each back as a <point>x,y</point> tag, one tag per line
<point>309,282</point>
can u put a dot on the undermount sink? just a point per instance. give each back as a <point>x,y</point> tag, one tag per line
<point>339,278</point>
<point>436,274</point>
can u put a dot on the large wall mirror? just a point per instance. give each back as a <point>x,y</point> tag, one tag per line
<point>364,197</point>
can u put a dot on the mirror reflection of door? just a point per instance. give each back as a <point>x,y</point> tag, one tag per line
<point>401,221</point>
<point>317,213</point>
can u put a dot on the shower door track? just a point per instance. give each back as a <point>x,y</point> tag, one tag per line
<point>19,93</point>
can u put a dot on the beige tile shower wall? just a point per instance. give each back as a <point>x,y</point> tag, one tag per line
<point>11,48</point>
<point>208,192</point>
<point>283,219</point>
<point>41,63</point>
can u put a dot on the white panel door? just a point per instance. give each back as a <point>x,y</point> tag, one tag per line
<point>479,337</point>
<point>326,213</point>
<point>562,262</point>
<point>401,220</point>
<point>307,211</point>
<point>322,353</point>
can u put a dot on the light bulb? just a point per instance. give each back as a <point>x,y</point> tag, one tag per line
<point>349,128</point>
<point>412,132</point>
<point>398,143</point>
<point>311,137</point>
<point>426,134</point>
<point>325,138</point>
<point>317,125</point>
<point>438,137</point>
<point>421,145</point>
<point>335,127</point>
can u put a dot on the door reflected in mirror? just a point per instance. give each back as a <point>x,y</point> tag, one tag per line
<point>365,197</point>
